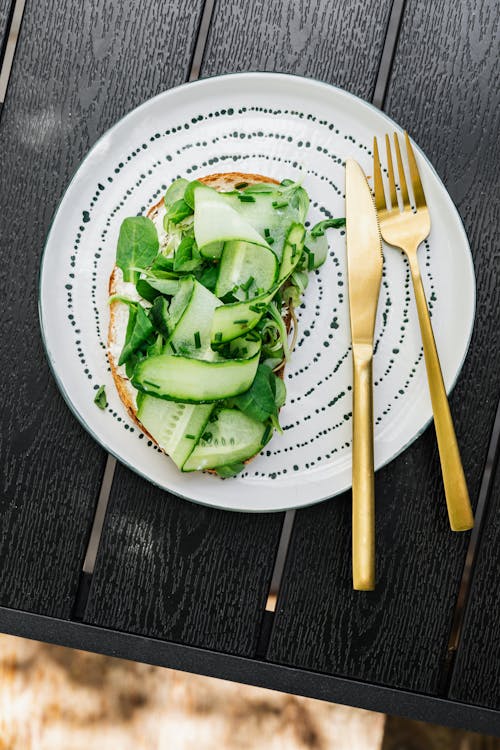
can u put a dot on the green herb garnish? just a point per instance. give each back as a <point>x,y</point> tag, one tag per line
<point>197,340</point>
<point>318,229</point>
<point>100,398</point>
<point>280,204</point>
<point>245,198</point>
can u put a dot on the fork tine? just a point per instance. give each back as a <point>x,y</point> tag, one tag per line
<point>390,170</point>
<point>418,191</point>
<point>402,178</point>
<point>377,179</point>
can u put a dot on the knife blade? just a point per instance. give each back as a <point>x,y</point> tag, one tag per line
<point>364,273</point>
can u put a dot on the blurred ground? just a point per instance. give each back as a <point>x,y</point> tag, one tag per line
<point>54,698</point>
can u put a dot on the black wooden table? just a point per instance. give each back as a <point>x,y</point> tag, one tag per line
<point>93,557</point>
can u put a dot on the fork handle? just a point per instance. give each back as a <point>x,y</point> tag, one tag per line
<point>363,491</point>
<point>455,486</point>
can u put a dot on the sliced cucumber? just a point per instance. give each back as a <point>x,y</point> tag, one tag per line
<point>272,212</point>
<point>235,319</point>
<point>176,427</point>
<point>318,246</point>
<point>192,334</point>
<point>292,250</point>
<point>244,264</point>
<point>216,221</point>
<point>181,300</point>
<point>231,437</point>
<point>177,378</point>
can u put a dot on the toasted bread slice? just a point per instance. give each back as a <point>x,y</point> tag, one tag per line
<point>224,181</point>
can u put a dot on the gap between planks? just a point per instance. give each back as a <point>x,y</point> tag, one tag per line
<point>472,551</point>
<point>8,52</point>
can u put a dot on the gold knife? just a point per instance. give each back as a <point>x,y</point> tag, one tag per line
<point>364,270</point>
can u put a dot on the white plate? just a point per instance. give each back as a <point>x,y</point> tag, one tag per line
<point>282,126</point>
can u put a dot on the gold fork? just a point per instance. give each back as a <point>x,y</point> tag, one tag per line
<point>407,229</point>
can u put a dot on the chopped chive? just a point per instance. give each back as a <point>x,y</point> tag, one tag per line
<point>241,322</point>
<point>248,283</point>
<point>310,261</point>
<point>190,437</point>
<point>206,436</point>
<point>267,233</point>
<point>172,346</point>
<point>197,340</point>
<point>280,204</point>
<point>266,434</point>
<point>153,385</point>
<point>241,185</point>
<point>258,307</point>
<point>246,198</point>
<point>260,290</point>
<point>252,336</point>
<point>244,350</point>
<point>218,336</point>
<point>270,240</point>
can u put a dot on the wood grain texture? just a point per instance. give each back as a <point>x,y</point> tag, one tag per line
<point>338,42</point>
<point>79,66</point>
<point>442,91</point>
<point>183,572</point>
<point>204,577</point>
<point>5,6</point>
<point>477,666</point>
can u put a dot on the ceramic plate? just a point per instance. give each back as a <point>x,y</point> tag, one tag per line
<point>285,127</point>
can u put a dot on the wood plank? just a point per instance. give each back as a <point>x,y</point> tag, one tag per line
<point>5,6</point>
<point>204,575</point>
<point>91,63</point>
<point>475,677</point>
<point>398,635</point>
<point>183,572</point>
<point>340,42</point>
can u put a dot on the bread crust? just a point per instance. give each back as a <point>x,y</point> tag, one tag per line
<point>223,181</point>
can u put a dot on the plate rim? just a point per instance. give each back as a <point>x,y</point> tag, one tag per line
<point>252,74</point>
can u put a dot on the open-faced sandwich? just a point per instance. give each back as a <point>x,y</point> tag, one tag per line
<point>202,302</point>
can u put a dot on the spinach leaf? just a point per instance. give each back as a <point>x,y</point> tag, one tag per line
<point>100,398</point>
<point>157,347</point>
<point>178,211</point>
<point>230,470</point>
<point>146,290</point>
<point>158,316</point>
<point>259,401</point>
<point>189,194</point>
<point>318,229</point>
<point>164,286</point>
<point>175,192</point>
<point>139,329</point>
<point>137,245</point>
<point>209,278</point>
<point>187,257</point>
<point>161,263</point>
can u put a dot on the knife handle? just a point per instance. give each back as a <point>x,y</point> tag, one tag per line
<point>455,485</point>
<point>363,489</point>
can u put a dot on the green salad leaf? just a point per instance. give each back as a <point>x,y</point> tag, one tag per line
<point>175,192</point>
<point>187,257</point>
<point>137,246</point>
<point>158,316</point>
<point>178,211</point>
<point>139,329</point>
<point>263,398</point>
